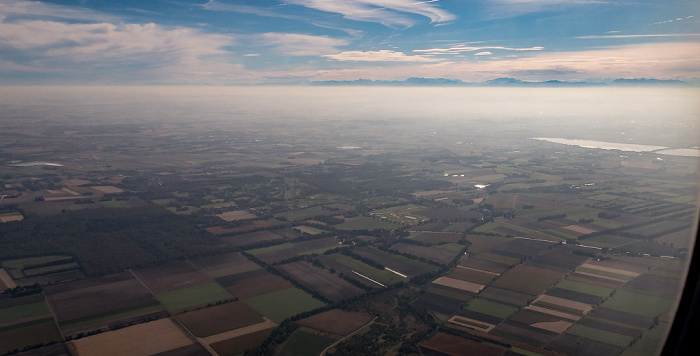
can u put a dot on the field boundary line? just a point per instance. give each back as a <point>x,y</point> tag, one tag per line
<point>55,319</point>
<point>479,270</point>
<point>172,317</point>
<point>347,336</point>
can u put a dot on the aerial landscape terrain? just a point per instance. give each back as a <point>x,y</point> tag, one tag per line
<point>215,225</point>
<point>349,177</point>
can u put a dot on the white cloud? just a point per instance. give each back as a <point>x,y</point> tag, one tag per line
<point>463,48</point>
<point>293,44</point>
<point>37,9</point>
<point>379,56</point>
<point>483,54</point>
<point>391,13</point>
<point>137,51</point>
<point>651,60</point>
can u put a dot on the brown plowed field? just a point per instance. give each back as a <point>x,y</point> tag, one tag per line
<point>471,275</point>
<point>258,285</point>
<point>528,279</point>
<point>219,318</point>
<point>241,344</point>
<point>319,280</point>
<point>173,276</point>
<point>142,339</point>
<point>251,238</point>
<point>224,265</point>
<point>96,299</point>
<point>484,265</point>
<point>336,321</point>
<point>446,344</point>
<point>281,255</point>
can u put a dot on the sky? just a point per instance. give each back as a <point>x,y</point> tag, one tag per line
<point>236,42</point>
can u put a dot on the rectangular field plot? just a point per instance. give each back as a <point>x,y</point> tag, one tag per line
<point>192,297</point>
<point>224,265</point>
<point>86,298</point>
<point>279,253</point>
<point>439,255</point>
<point>365,271</point>
<point>459,284</point>
<point>542,321</point>
<point>36,266</point>
<point>575,345</point>
<point>219,318</point>
<point>498,258</point>
<point>303,343</point>
<point>21,308</point>
<point>438,237</point>
<point>28,334</point>
<point>253,283</point>
<point>488,307</point>
<point>603,336</point>
<point>367,224</point>
<point>446,344</point>
<point>173,276</point>
<point>506,296</point>
<point>528,280</point>
<point>472,275</point>
<point>520,248</point>
<point>336,321</point>
<point>321,281</point>
<point>482,243</point>
<point>240,344</point>
<point>142,339</point>
<point>251,238</point>
<point>638,303</point>
<point>397,263</point>
<point>283,304</point>
<point>560,258</point>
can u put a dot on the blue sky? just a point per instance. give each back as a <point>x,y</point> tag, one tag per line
<point>112,42</point>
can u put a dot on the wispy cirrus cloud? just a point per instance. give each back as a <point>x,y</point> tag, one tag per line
<point>642,36</point>
<point>104,49</point>
<point>391,13</point>
<point>293,44</point>
<point>37,9</point>
<point>380,56</point>
<point>464,48</point>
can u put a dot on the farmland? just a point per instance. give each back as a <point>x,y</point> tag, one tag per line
<point>257,238</point>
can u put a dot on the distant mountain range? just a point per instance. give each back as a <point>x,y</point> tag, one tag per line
<point>506,82</point>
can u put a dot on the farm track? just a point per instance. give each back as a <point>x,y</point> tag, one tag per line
<point>186,330</point>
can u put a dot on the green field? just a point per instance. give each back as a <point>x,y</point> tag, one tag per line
<point>193,296</point>
<point>303,343</point>
<point>367,224</point>
<point>605,273</point>
<point>638,303</point>
<point>600,335</point>
<point>608,241</point>
<point>111,315</point>
<point>273,248</point>
<point>19,336</point>
<point>484,306</point>
<point>320,251</point>
<point>380,275</point>
<point>23,311</point>
<point>283,304</point>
